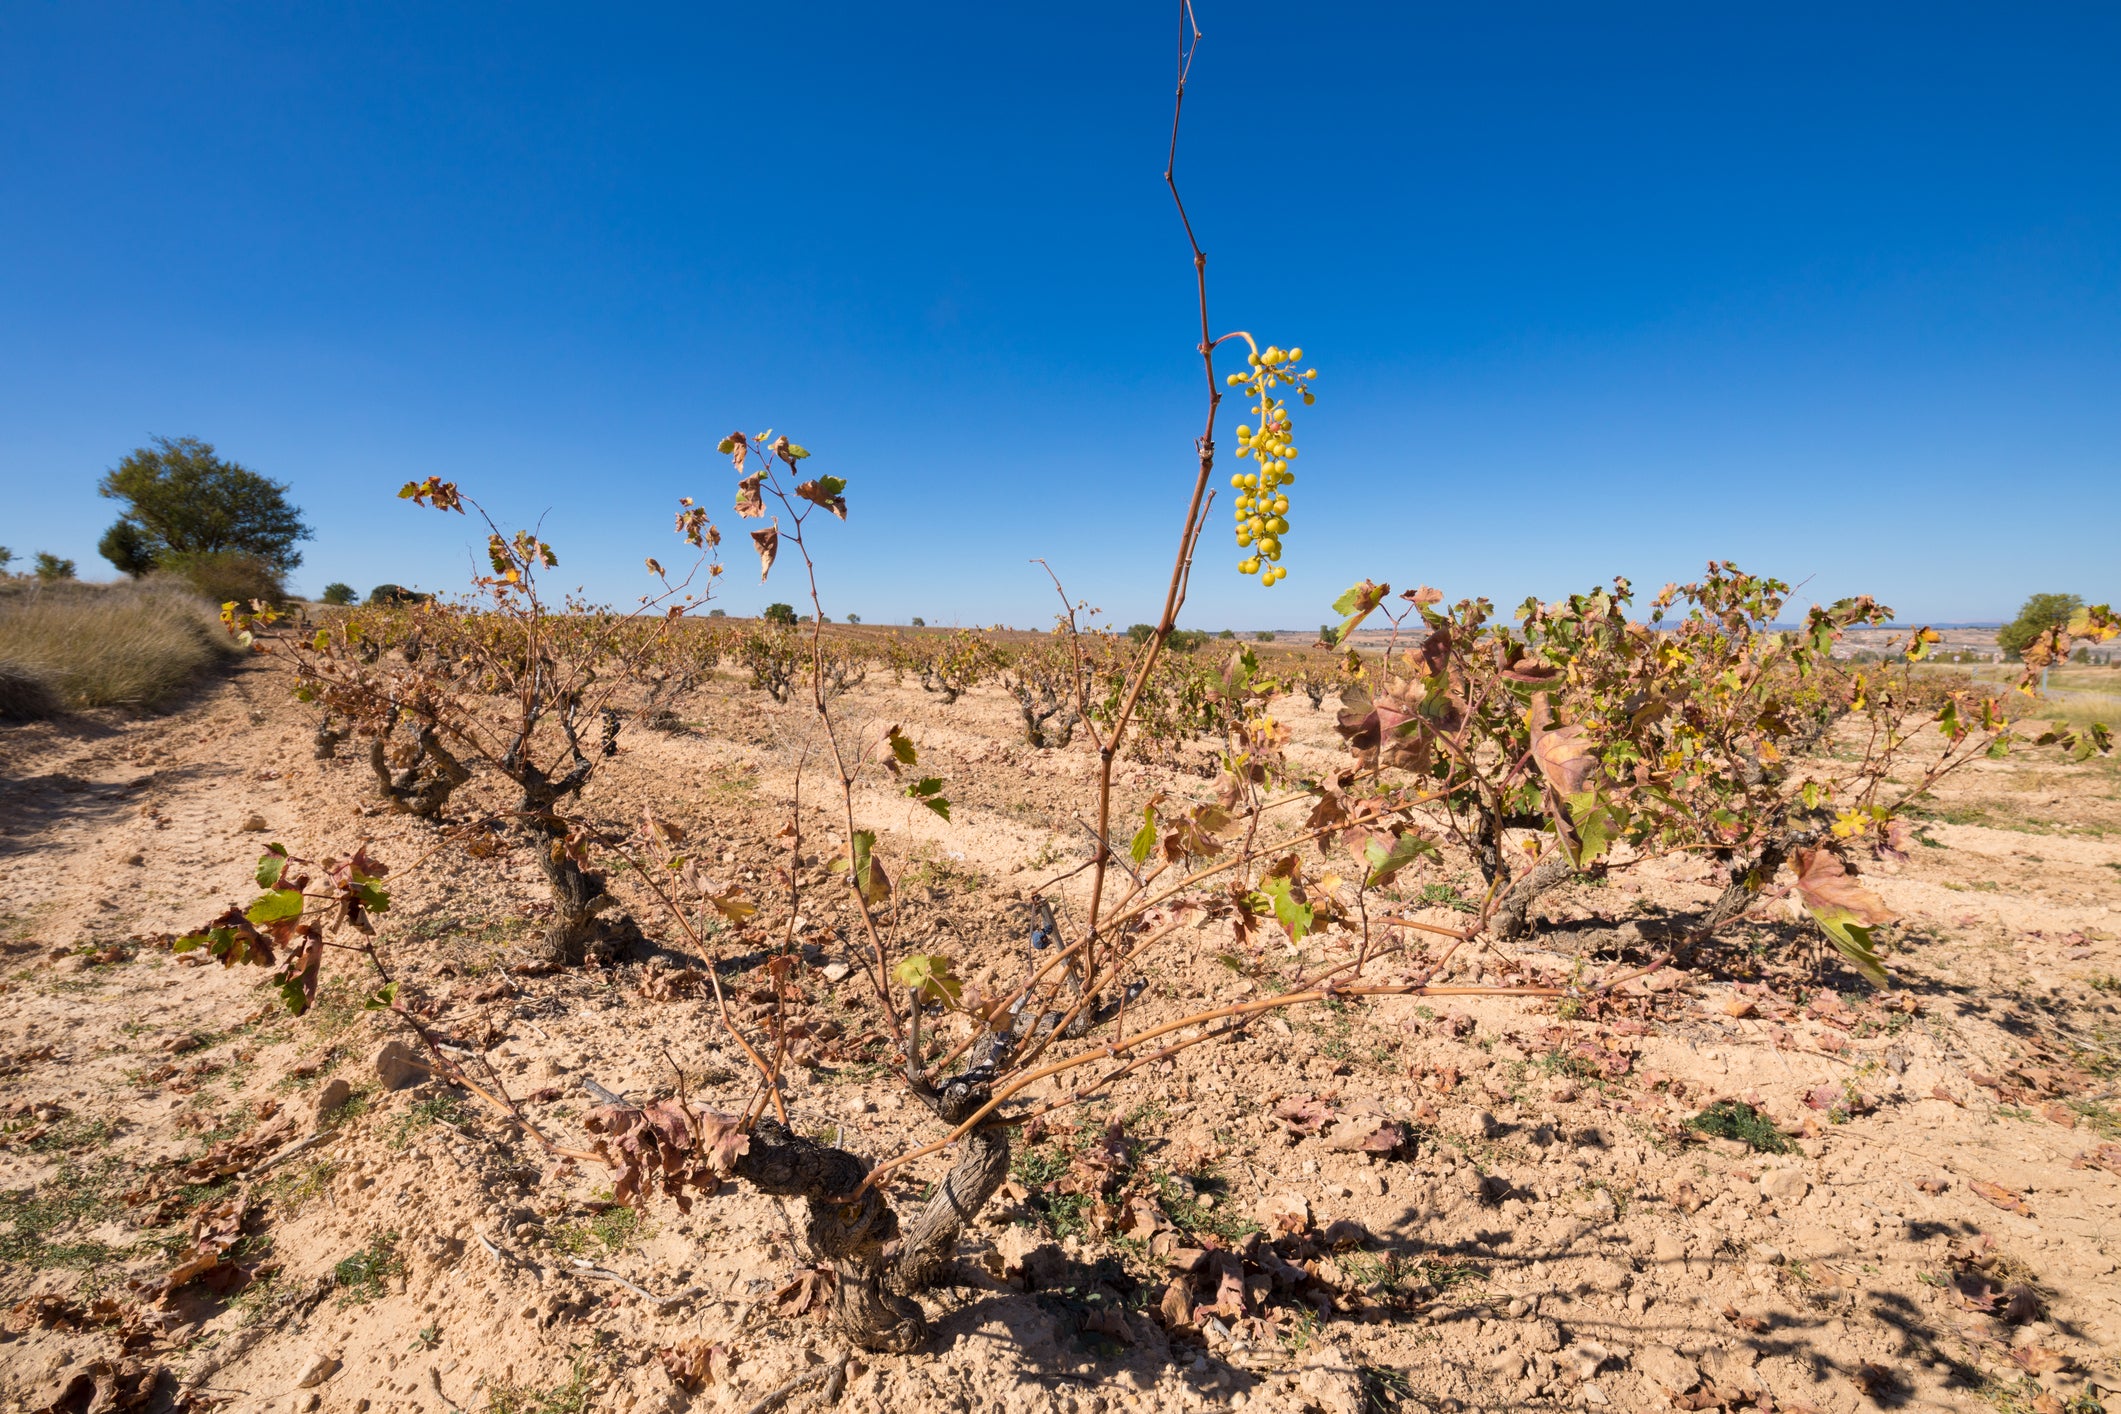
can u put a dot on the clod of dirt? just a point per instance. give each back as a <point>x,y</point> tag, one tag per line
<point>1329,1382</point>
<point>1784,1185</point>
<point>319,1367</point>
<point>1668,1369</point>
<point>335,1093</point>
<point>397,1067</point>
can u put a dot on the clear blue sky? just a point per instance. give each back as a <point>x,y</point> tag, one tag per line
<point>1830,289</point>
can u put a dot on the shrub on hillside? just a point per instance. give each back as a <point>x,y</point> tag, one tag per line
<point>92,646</point>
<point>339,594</point>
<point>392,596</point>
<point>26,695</point>
<point>225,576</point>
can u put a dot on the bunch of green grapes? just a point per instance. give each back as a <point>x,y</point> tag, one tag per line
<point>1262,495</point>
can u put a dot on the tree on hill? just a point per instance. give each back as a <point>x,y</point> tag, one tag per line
<point>779,614</point>
<point>2039,613</point>
<point>181,500</point>
<point>51,567</point>
<point>338,593</point>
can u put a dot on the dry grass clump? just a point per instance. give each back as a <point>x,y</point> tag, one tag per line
<point>86,645</point>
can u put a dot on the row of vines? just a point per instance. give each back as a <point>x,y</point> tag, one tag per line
<point>1560,741</point>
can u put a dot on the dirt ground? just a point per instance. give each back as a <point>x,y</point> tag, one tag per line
<point>1940,1229</point>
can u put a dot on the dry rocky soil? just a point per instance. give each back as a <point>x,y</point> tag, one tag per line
<point>1485,1203</point>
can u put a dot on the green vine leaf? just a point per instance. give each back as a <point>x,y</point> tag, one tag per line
<point>929,975</point>
<point>277,906</point>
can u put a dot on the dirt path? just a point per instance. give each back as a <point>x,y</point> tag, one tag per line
<point>1549,1233</point>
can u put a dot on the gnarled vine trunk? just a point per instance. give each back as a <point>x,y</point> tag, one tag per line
<point>1512,916</point>
<point>423,783</point>
<point>877,1265</point>
<point>578,895</point>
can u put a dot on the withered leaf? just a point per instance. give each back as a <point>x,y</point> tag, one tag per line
<point>749,503</point>
<point>1305,1114</point>
<point>825,491</point>
<point>694,1362</point>
<point>1563,754</point>
<point>802,1294</point>
<point>1177,1306</point>
<point>2000,1196</point>
<point>1843,908</point>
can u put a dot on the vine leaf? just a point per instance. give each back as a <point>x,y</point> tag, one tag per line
<point>275,906</point>
<point>768,542</point>
<point>1294,915</point>
<point>896,751</point>
<point>1386,860</point>
<point>1843,908</point>
<point>928,974</point>
<point>732,904</point>
<point>1563,754</point>
<point>749,503</point>
<point>434,491</point>
<point>868,870</point>
<point>928,791</point>
<point>825,491</point>
<point>1145,838</point>
<point>1356,605</point>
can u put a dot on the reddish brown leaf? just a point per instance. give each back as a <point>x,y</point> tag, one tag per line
<point>1563,754</point>
<point>2000,1196</point>
<point>803,1293</point>
<point>2106,1156</point>
<point>1874,1380</point>
<point>694,1363</point>
<point>1827,888</point>
<point>1304,1114</point>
